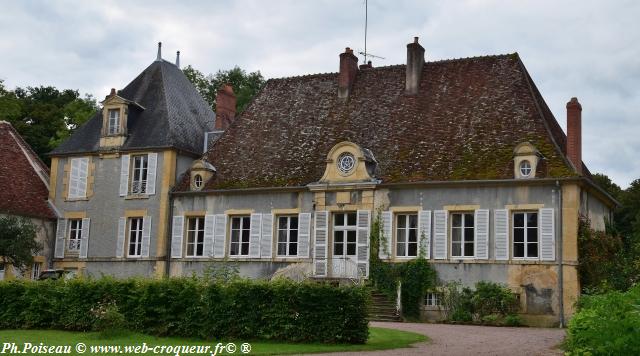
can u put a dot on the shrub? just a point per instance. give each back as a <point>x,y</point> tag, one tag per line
<point>513,320</point>
<point>490,303</point>
<point>417,277</point>
<point>607,324</point>
<point>108,319</point>
<point>189,307</point>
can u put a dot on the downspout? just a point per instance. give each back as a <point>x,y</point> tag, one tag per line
<point>167,268</point>
<point>559,249</point>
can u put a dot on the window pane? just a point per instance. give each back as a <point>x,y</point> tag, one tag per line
<point>400,249</point>
<point>456,235</point>
<point>189,249</point>
<point>293,249</point>
<point>294,222</point>
<point>245,223</point>
<point>456,220</point>
<point>192,224</point>
<point>401,235</point>
<point>351,236</point>
<point>532,250</point>
<point>201,235</point>
<point>339,219</point>
<point>351,219</point>
<point>293,236</point>
<point>234,249</point>
<point>235,236</point>
<point>245,249</point>
<point>402,221</point>
<point>282,249</point>
<point>456,249</point>
<point>532,219</point>
<point>413,221</point>
<point>282,235</point>
<point>518,250</point>
<point>413,235</point>
<point>351,249</point>
<point>468,220</point>
<point>468,235</point>
<point>339,236</point>
<point>337,249</point>
<point>532,234</point>
<point>413,249</point>
<point>245,235</point>
<point>468,249</point>
<point>518,235</point>
<point>200,250</point>
<point>235,223</point>
<point>518,220</point>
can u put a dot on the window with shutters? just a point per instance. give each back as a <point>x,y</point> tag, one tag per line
<point>113,122</point>
<point>195,237</point>
<point>345,231</point>
<point>287,236</point>
<point>462,235</point>
<point>74,235</point>
<point>240,236</point>
<point>407,235</point>
<point>135,237</point>
<point>525,235</point>
<point>140,167</point>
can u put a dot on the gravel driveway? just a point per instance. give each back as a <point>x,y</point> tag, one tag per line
<point>475,340</point>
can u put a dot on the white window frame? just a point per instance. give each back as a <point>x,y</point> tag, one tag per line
<point>463,229</point>
<point>432,299</point>
<point>345,228</point>
<point>521,168</point>
<point>74,235</point>
<point>287,235</point>
<point>525,236</point>
<point>113,126</point>
<point>241,232</point>
<point>139,185</point>
<point>35,270</point>
<point>195,237</point>
<point>137,233</point>
<point>407,230</point>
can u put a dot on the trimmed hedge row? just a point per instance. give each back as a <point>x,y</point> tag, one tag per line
<point>193,308</point>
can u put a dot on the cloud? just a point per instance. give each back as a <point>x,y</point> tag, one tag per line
<point>571,48</point>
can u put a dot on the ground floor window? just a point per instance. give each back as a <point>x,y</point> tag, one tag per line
<point>240,226</point>
<point>135,237</point>
<point>525,235</point>
<point>35,270</point>
<point>345,231</point>
<point>462,238</point>
<point>432,299</point>
<point>287,236</point>
<point>195,237</point>
<point>75,233</point>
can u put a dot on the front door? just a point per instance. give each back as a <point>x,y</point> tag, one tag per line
<point>345,233</point>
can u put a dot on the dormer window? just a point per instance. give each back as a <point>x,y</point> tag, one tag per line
<point>526,159</point>
<point>525,168</point>
<point>114,121</point>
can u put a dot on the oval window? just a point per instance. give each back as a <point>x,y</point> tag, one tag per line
<point>525,168</point>
<point>197,181</point>
<point>346,163</point>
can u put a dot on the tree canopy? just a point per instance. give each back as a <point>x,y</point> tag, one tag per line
<point>45,115</point>
<point>245,85</point>
<point>18,241</point>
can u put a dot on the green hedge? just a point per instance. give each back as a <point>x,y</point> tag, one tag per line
<point>193,308</point>
<point>606,324</point>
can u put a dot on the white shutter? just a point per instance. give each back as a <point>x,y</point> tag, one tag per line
<point>304,234</point>
<point>152,165</point>
<point>440,234</point>
<point>208,235</point>
<point>219,235</point>
<point>124,175</point>
<point>424,233</point>
<point>266,240</point>
<point>146,236</point>
<point>362,246</point>
<point>74,178</point>
<point>84,238</point>
<point>177,230</point>
<point>547,235</point>
<point>481,234</point>
<point>254,235</point>
<point>385,245</point>
<point>501,234</point>
<point>122,226</point>
<point>320,242</point>
<point>61,232</point>
<point>83,173</point>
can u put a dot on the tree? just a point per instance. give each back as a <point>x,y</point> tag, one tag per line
<point>245,85</point>
<point>608,185</point>
<point>44,115</point>
<point>18,241</point>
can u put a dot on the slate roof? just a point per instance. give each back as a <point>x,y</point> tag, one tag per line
<point>464,124</point>
<point>23,176</point>
<point>175,115</point>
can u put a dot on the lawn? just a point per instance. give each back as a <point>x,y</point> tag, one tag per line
<point>379,339</point>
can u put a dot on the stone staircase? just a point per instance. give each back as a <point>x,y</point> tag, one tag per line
<point>382,308</point>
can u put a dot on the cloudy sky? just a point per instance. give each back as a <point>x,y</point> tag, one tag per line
<point>587,49</point>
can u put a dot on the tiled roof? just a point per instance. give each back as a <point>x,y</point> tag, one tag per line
<point>175,114</point>
<point>464,124</point>
<point>23,176</point>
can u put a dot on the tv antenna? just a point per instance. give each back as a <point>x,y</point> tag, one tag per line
<point>366,20</point>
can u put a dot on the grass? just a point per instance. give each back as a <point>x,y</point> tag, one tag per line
<point>379,339</point>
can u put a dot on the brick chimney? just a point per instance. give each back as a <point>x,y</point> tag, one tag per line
<point>225,107</point>
<point>574,133</point>
<point>415,62</point>
<point>348,71</point>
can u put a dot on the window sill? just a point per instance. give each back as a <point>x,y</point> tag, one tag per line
<point>76,199</point>
<point>136,196</point>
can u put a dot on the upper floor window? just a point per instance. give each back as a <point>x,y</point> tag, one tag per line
<point>525,168</point>
<point>407,235</point>
<point>195,237</point>
<point>135,237</point>
<point>114,121</point>
<point>139,176</point>
<point>462,235</point>
<point>345,232</point>
<point>525,235</point>
<point>75,232</point>
<point>287,236</point>
<point>240,226</point>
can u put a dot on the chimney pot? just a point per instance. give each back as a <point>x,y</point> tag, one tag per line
<point>113,92</point>
<point>574,133</point>
<point>415,63</point>
<point>347,74</point>
<point>159,57</point>
<point>178,59</point>
<point>225,107</point>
